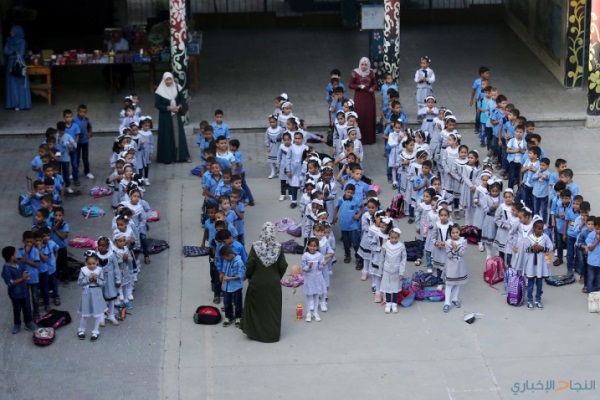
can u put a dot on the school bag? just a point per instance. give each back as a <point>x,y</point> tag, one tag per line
<point>195,251</point>
<point>292,247</point>
<point>153,216</point>
<point>83,242</point>
<point>396,208</point>
<point>43,336</point>
<point>155,246</point>
<point>494,270</point>
<point>27,210</point>
<point>121,312</point>
<point>469,232</point>
<point>292,280</point>
<point>92,212</point>
<point>196,170</point>
<point>54,319</point>
<point>430,295</point>
<point>284,223</point>
<point>426,279</point>
<point>412,250</point>
<point>295,230</point>
<point>406,295</point>
<point>376,188</point>
<point>515,290</point>
<point>560,280</point>
<point>100,191</point>
<point>207,315</point>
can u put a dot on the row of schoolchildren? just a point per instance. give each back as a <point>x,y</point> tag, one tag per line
<point>32,272</point>
<point>226,195</point>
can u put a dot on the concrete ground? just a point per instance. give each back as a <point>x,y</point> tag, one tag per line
<point>356,351</point>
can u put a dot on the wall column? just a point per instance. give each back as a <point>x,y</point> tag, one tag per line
<point>593,108</point>
<point>391,38</point>
<point>179,58</point>
<point>575,43</point>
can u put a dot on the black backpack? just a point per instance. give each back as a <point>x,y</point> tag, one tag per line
<point>54,319</point>
<point>207,315</point>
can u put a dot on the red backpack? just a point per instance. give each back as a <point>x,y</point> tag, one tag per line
<point>494,270</point>
<point>396,208</point>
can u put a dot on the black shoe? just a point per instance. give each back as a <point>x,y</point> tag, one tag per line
<point>94,337</point>
<point>251,204</point>
<point>77,183</point>
<point>293,205</point>
<point>216,300</point>
<point>81,335</point>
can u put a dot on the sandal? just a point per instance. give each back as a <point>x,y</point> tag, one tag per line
<point>147,260</point>
<point>417,262</point>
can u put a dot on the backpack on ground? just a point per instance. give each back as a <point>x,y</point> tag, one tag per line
<point>396,208</point>
<point>426,279</point>
<point>412,250</point>
<point>594,302</point>
<point>153,216</point>
<point>207,315</point>
<point>82,242</point>
<point>292,280</point>
<point>54,319</point>
<point>195,251</point>
<point>406,295</point>
<point>470,233</point>
<point>121,313</point>
<point>43,336</point>
<point>155,246</point>
<point>197,170</point>
<point>100,191</point>
<point>295,230</point>
<point>494,270</point>
<point>431,295</point>
<point>515,290</point>
<point>292,247</point>
<point>284,223</point>
<point>26,210</point>
<point>92,212</point>
<point>376,188</point>
<point>560,280</point>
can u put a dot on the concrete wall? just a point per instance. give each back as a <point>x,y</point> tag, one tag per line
<point>542,25</point>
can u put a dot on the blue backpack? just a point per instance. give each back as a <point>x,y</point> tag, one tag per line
<point>92,212</point>
<point>25,210</point>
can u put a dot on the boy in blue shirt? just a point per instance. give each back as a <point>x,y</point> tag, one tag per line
<point>496,117</point>
<point>237,206</point>
<point>223,156</point>
<point>29,257</point>
<point>388,83</point>
<point>484,74</point>
<point>210,182</point>
<point>72,129</point>
<point>42,268</point>
<point>334,74</point>
<point>35,198</point>
<point>51,248</point>
<point>528,171</point>
<point>83,139</point>
<point>16,276</point>
<point>234,147</point>
<point>560,166</point>
<point>482,105</point>
<point>586,226</point>
<point>65,145</point>
<point>516,148</point>
<point>59,233</point>
<point>592,241</point>
<point>349,208</point>
<point>360,188</point>
<point>205,138</point>
<point>220,128</point>
<point>540,190</point>
<point>567,177</point>
<point>571,234</point>
<point>559,212</point>
<point>232,277</point>
<point>37,163</point>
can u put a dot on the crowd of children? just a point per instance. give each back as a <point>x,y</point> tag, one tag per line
<point>111,271</point>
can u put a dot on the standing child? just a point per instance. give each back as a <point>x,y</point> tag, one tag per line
<point>428,113</point>
<point>29,257</point>
<point>422,224</point>
<point>540,190</point>
<point>448,156</point>
<point>240,167</point>
<point>273,137</point>
<point>220,128</point>
<point>484,74</point>
<point>393,255</point>
<point>456,267</point>
<point>440,233</point>
<point>85,129</point>
<point>15,276</point>
<point>378,235</point>
<point>233,275</point>
<point>469,177</point>
<point>593,258</point>
<point>349,208</point>
<point>424,77</point>
<point>92,304</point>
<point>327,252</point>
<point>404,159</point>
<point>297,153</point>
<point>489,228</point>
<point>65,145</point>
<point>146,147</point>
<point>535,247</point>
<point>559,212</point>
<point>505,222</point>
<point>314,285</point>
<point>286,113</point>
<point>107,260</point>
<point>366,221</point>
<point>328,187</point>
<point>284,168</point>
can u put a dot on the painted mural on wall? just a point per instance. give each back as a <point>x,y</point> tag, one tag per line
<point>575,44</point>
<point>391,37</point>
<point>376,54</point>
<point>594,62</point>
<point>179,59</point>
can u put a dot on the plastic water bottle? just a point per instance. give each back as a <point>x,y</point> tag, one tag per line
<point>299,311</point>
<point>548,259</point>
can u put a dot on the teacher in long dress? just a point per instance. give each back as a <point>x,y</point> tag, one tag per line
<point>171,144</point>
<point>18,95</point>
<point>364,83</point>
<point>265,267</point>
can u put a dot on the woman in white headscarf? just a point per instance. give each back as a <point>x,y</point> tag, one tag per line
<point>265,267</point>
<point>364,84</point>
<point>172,144</point>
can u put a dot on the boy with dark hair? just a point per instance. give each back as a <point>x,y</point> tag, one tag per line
<point>484,74</point>
<point>234,147</point>
<point>349,208</point>
<point>29,257</point>
<point>232,277</point>
<point>220,128</point>
<point>83,139</point>
<point>570,235</point>
<point>559,214</point>
<point>72,129</point>
<point>16,276</point>
<point>540,190</point>
<point>592,241</point>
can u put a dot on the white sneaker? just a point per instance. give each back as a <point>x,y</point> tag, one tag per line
<point>282,197</point>
<point>291,197</point>
<point>388,308</point>
<point>103,323</point>
<point>135,279</point>
<point>308,317</point>
<point>121,298</point>
<point>481,247</point>
<point>272,176</point>
<point>130,297</point>
<point>395,308</point>
<point>71,177</point>
<point>113,321</point>
<point>69,190</point>
<point>317,317</point>
<point>323,306</point>
<point>146,182</point>
<point>90,176</point>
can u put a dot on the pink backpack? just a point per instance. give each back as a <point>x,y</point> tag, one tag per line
<point>84,242</point>
<point>494,270</point>
<point>376,188</point>
<point>153,216</point>
<point>100,191</point>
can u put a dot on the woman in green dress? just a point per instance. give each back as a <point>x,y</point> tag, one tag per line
<point>265,267</point>
<point>172,144</point>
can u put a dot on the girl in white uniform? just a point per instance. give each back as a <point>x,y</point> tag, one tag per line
<point>92,304</point>
<point>424,78</point>
<point>312,263</point>
<point>272,142</point>
<point>393,255</point>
